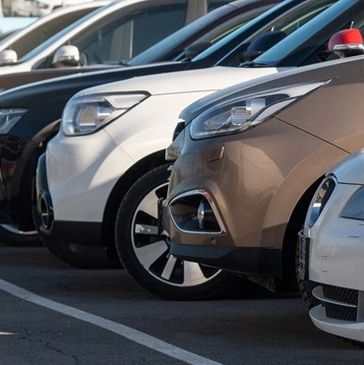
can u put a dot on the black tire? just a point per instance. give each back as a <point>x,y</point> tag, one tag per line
<point>305,286</point>
<point>150,279</point>
<point>76,255</point>
<point>9,238</point>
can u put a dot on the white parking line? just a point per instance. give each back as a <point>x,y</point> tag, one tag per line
<point>120,329</point>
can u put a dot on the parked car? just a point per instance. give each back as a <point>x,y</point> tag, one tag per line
<point>197,36</point>
<point>117,159</point>
<point>249,160</point>
<point>332,240</point>
<point>110,35</point>
<point>26,140</point>
<point>25,40</point>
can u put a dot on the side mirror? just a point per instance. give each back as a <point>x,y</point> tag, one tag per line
<point>66,56</point>
<point>194,49</point>
<point>346,43</point>
<point>261,44</point>
<point>8,57</point>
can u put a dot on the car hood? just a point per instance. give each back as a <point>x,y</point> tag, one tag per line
<point>337,69</point>
<point>209,79</point>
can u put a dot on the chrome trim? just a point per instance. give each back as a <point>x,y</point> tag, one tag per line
<point>207,196</point>
<point>13,229</point>
<point>318,293</point>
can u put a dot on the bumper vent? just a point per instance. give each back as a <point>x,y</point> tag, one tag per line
<point>339,303</point>
<point>340,312</point>
<point>344,295</point>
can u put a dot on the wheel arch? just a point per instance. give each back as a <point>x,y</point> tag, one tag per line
<point>294,225</point>
<point>121,188</point>
<point>21,190</point>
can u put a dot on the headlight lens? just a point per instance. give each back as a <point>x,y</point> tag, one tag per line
<point>86,114</point>
<point>9,117</point>
<point>354,209</point>
<point>241,113</point>
<point>320,200</point>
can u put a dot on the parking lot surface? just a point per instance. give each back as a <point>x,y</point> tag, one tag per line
<point>54,314</point>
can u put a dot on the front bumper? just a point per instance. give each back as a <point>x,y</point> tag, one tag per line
<point>336,264</point>
<point>244,180</point>
<point>78,232</point>
<point>81,173</point>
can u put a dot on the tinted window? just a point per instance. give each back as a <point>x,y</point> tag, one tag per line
<point>37,36</point>
<point>207,28</point>
<point>287,23</point>
<point>315,33</point>
<point>214,4</point>
<point>118,38</point>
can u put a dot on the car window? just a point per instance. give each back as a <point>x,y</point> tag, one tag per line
<point>118,38</point>
<point>214,4</point>
<point>287,23</point>
<point>31,40</point>
<point>293,50</point>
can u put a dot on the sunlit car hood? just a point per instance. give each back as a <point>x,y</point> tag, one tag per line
<point>184,81</point>
<point>341,68</point>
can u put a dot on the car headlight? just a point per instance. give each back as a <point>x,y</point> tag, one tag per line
<point>241,113</point>
<point>354,209</point>
<point>9,117</point>
<point>320,200</point>
<point>86,114</point>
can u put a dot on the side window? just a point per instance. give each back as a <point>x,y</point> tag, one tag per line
<point>214,4</point>
<point>119,38</point>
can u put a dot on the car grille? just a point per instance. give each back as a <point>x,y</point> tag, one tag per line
<point>344,295</point>
<point>339,303</point>
<point>340,312</point>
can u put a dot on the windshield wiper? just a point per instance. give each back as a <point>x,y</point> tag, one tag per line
<point>252,64</point>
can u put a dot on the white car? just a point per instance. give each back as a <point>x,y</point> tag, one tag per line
<point>333,240</point>
<point>110,35</point>
<point>105,170</point>
<point>30,37</point>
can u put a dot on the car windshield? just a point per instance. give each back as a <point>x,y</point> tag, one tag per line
<point>317,31</point>
<point>44,31</point>
<point>288,23</point>
<point>45,45</point>
<point>208,28</point>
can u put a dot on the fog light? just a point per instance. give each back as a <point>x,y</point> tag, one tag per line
<point>193,212</point>
<point>201,214</point>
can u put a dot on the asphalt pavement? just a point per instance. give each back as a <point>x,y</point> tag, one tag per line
<point>54,314</point>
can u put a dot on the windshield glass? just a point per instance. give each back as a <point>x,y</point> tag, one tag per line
<point>211,27</point>
<point>315,28</point>
<point>45,30</point>
<point>287,23</point>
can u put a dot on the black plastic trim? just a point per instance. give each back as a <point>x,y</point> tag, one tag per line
<point>248,260</point>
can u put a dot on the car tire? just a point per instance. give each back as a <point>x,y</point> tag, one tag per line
<point>76,255</point>
<point>305,286</point>
<point>145,255</point>
<point>10,238</point>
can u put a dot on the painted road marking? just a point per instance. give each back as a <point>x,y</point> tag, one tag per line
<point>115,327</point>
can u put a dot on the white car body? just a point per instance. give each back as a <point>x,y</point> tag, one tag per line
<point>124,7</point>
<point>336,254</point>
<point>83,170</point>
